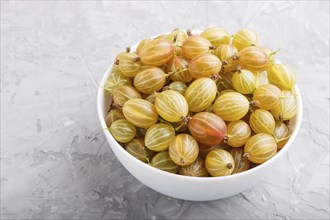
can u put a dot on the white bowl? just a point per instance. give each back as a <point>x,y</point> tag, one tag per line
<point>184,187</point>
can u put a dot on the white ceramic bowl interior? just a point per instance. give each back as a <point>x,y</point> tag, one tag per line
<point>184,187</point>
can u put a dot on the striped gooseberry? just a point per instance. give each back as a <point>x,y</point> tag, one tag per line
<point>238,132</point>
<point>122,130</point>
<point>156,52</point>
<point>128,64</point>
<point>281,134</point>
<point>200,94</point>
<point>140,113</point>
<point>177,86</point>
<point>262,121</point>
<point>177,36</point>
<point>261,78</point>
<point>267,96</point>
<point>253,59</point>
<point>282,76</point>
<point>137,149</point>
<point>270,55</point>
<point>219,162</point>
<point>195,45</point>
<point>205,149</point>
<point>166,36</point>
<point>183,149</point>
<point>260,148</point>
<point>178,69</point>
<point>122,54</point>
<point>171,106</point>
<point>231,106</point>
<point>150,80</point>
<point>115,80</point>
<point>124,93</point>
<point>141,44</point>
<point>197,169</point>
<point>204,65</point>
<point>228,54</point>
<point>207,128</point>
<point>163,162</point>
<point>244,38</point>
<point>113,115</point>
<point>159,136</point>
<point>163,36</point>
<point>241,162</point>
<point>244,81</point>
<point>216,36</point>
<point>287,107</point>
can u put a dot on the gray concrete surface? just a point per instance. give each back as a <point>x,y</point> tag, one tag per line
<point>55,161</point>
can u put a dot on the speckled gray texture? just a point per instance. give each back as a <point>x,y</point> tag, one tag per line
<point>55,161</point>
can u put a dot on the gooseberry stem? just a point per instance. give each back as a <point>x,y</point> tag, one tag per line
<point>254,103</point>
<point>115,105</point>
<point>108,89</point>
<point>227,137</point>
<point>186,119</point>
<point>287,123</point>
<point>148,161</point>
<point>274,52</point>
<point>166,88</point>
<point>229,166</point>
<point>177,128</point>
<point>215,76</point>
<point>175,38</point>
<point>246,155</point>
<point>136,59</point>
<point>182,161</point>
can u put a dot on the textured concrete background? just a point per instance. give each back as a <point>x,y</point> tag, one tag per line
<point>55,162</point>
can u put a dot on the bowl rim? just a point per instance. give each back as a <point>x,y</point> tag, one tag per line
<point>100,106</point>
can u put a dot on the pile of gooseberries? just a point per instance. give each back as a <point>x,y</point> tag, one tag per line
<point>209,104</point>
